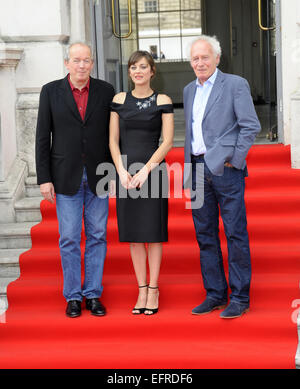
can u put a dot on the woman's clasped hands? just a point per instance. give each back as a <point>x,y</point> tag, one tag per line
<point>129,182</point>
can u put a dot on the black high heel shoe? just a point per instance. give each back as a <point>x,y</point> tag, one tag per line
<point>152,310</point>
<point>139,310</point>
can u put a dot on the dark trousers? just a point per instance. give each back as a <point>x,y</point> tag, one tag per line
<point>227,194</point>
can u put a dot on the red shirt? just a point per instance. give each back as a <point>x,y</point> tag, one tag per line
<point>81,97</point>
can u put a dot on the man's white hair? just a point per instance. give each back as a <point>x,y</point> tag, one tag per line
<point>68,48</point>
<point>212,40</point>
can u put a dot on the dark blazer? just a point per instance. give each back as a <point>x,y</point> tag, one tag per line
<point>229,124</point>
<point>65,143</point>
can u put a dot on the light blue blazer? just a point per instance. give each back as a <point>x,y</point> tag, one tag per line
<point>229,124</point>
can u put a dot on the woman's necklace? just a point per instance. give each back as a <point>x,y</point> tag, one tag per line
<point>146,101</point>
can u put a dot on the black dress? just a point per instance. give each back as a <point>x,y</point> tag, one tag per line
<point>142,213</point>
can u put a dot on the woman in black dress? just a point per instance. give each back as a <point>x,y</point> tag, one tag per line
<point>138,119</point>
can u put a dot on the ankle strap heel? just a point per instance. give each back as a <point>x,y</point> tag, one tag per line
<point>151,311</point>
<point>139,311</point>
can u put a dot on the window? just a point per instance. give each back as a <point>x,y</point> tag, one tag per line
<point>151,6</point>
<point>171,25</point>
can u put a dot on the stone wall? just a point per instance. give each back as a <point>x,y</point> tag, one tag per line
<point>26,117</point>
<point>9,60</point>
<point>292,77</point>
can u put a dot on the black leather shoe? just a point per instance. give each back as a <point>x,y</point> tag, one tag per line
<point>73,308</point>
<point>95,306</point>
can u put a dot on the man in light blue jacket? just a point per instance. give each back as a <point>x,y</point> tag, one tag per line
<point>221,125</point>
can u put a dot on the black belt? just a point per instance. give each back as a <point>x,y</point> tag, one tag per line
<point>197,156</point>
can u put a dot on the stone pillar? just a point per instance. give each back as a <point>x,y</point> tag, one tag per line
<point>295,97</point>
<point>11,168</point>
<point>295,130</point>
<point>298,348</point>
<point>78,29</point>
<point>9,59</point>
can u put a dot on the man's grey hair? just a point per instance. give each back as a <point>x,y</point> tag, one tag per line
<point>212,40</point>
<point>68,48</point>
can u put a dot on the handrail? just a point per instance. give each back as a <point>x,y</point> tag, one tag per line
<point>129,20</point>
<point>260,19</point>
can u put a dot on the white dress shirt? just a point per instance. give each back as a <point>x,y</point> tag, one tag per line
<point>199,105</point>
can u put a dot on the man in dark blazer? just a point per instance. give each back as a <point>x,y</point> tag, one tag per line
<point>221,125</point>
<point>71,141</point>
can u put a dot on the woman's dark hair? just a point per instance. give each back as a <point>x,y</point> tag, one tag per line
<point>139,54</point>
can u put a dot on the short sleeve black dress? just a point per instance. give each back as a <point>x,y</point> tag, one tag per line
<point>142,213</point>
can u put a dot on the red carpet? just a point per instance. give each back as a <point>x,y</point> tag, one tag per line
<point>37,334</point>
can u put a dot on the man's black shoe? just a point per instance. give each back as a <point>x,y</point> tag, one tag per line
<point>73,308</point>
<point>95,306</point>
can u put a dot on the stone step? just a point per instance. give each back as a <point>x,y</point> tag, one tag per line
<point>3,308</point>
<point>10,256</point>
<point>9,262</point>
<point>28,209</point>
<point>31,187</point>
<point>178,142</point>
<point>179,128</point>
<point>9,271</point>
<point>16,235</point>
<point>4,282</point>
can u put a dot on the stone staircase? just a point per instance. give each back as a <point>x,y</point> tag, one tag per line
<point>298,348</point>
<point>15,237</point>
<point>179,127</point>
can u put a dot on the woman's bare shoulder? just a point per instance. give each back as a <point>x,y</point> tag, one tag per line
<point>163,99</point>
<point>119,98</point>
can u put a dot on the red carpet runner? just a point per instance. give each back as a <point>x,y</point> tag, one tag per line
<point>37,334</point>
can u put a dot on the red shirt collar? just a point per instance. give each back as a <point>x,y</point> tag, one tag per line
<point>74,87</point>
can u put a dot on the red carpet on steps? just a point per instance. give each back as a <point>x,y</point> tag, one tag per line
<point>37,334</point>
